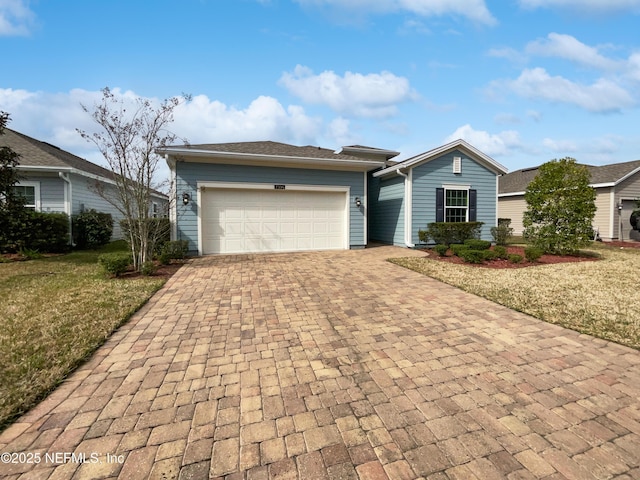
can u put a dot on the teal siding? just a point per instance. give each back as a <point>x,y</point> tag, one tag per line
<point>431,175</point>
<point>189,174</point>
<point>386,209</point>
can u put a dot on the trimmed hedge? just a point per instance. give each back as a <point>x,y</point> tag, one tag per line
<point>441,250</point>
<point>448,233</point>
<point>472,256</point>
<point>39,231</point>
<point>92,229</point>
<point>500,252</point>
<point>458,248</point>
<point>533,254</point>
<point>115,263</point>
<point>475,244</point>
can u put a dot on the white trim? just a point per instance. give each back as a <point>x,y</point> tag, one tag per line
<point>512,194</point>
<point>365,227</point>
<point>457,165</point>
<point>408,214</point>
<point>36,192</point>
<point>497,203</point>
<point>466,188</point>
<point>455,186</point>
<point>612,212</point>
<point>202,185</point>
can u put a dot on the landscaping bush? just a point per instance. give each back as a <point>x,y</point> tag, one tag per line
<point>515,258</point>
<point>458,248</point>
<point>447,233</point>
<point>441,250</point>
<point>500,252</point>
<point>533,254</point>
<point>44,232</point>
<point>176,249</point>
<point>115,263</point>
<point>91,229</point>
<point>148,268</point>
<point>472,256</point>
<point>488,254</point>
<point>475,244</point>
<point>503,232</point>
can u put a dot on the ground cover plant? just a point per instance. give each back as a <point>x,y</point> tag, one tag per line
<point>55,312</point>
<point>591,297</point>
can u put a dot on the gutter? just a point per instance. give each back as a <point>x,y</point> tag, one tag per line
<point>408,206</point>
<point>68,204</point>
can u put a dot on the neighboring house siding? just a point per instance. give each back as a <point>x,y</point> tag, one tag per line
<point>386,209</point>
<point>602,218</point>
<point>51,191</point>
<point>513,208</point>
<point>438,172</point>
<point>188,174</point>
<point>627,192</point>
<point>85,196</point>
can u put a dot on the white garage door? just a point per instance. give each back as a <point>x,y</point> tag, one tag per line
<point>248,220</point>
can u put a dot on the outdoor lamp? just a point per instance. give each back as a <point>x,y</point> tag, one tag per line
<point>358,202</point>
<point>185,198</point>
<point>619,205</point>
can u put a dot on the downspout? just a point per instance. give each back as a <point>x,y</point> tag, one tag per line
<point>68,204</point>
<point>408,205</point>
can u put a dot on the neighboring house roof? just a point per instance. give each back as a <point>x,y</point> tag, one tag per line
<point>36,155</point>
<point>387,154</point>
<point>268,151</point>
<point>459,144</point>
<point>515,183</point>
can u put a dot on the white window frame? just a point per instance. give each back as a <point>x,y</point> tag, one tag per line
<point>36,194</point>
<point>447,188</point>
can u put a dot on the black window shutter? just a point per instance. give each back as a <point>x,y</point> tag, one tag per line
<point>473,205</point>
<point>439,204</point>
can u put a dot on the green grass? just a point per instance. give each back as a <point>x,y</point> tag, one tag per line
<point>597,298</point>
<point>55,312</point>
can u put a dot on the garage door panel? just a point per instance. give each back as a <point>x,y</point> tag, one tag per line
<point>237,220</point>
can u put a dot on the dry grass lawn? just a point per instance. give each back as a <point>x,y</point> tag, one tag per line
<point>599,298</point>
<point>54,313</point>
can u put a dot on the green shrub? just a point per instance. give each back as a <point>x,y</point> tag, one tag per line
<point>488,254</point>
<point>441,250</point>
<point>476,244</point>
<point>44,232</point>
<point>30,254</point>
<point>515,258</point>
<point>164,258</point>
<point>458,248</point>
<point>533,254</point>
<point>472,256</point>
<point>176,249</point>
<point>92,229</point>
<point>447,233</point>
<point>148,268</point>
<point>500,252</point>
<point>115,263</point>
<point>503,232</point>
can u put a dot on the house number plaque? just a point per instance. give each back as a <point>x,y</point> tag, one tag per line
<point>279,187</point>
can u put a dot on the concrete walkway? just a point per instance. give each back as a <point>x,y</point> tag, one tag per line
<point>334,365</point>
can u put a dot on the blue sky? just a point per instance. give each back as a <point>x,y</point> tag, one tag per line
<point>524,81</point>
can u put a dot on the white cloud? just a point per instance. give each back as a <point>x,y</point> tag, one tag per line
<point>16,18</point>
<point>374,95</point>
<point>602,96</point>
<point>507,53</point>
<point>560,146</point>
<point>499,144</point>
<point>474,10</point>
<point>54,118</point>
<point>586,6</point>
<point>569,48</point>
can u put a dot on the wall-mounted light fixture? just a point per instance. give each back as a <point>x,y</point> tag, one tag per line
<point>185,198</point>
<point>358,202</point>
<point>619,205</point>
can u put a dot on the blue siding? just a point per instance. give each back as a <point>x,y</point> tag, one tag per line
<point>431,175</point>
<point>51,190</point>
<point>386,209</point>
<point>188,174</point>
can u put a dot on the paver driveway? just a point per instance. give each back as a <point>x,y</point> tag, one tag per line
<point>335,366</point>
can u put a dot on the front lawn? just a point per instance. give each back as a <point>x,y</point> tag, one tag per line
<point>54,313</point>
<point>598,298</point>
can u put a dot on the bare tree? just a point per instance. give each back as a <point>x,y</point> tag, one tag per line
<point>128,140</point>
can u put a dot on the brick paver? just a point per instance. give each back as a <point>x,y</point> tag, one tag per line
<point>334,365</point>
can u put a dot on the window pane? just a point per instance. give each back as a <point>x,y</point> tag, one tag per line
<point>455,215</point>
<point>456,198</point>
<point>28,193</point>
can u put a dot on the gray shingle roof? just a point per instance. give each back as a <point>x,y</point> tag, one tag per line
<point>269,148</point>
<point>517,181</point>
<point>34,153</point>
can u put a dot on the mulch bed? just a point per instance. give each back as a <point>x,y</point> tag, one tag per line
<point>165,271</point>
<point>500,264</point>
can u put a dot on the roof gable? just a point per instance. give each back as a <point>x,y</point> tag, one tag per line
<point>430,155</point>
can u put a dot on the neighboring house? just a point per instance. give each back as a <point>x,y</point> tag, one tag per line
<point>617,187</point>
<point>270,197</point>
<point>452,183</point>
<point>53,180</point>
